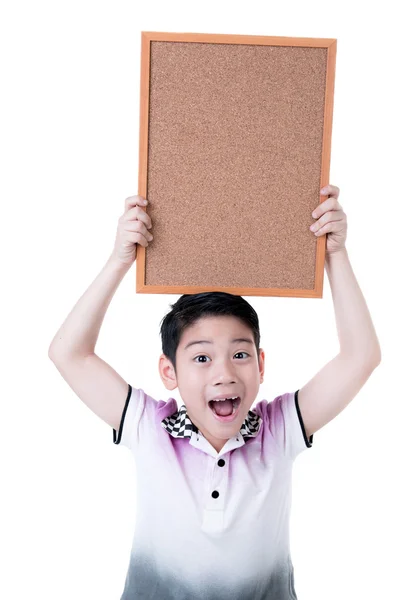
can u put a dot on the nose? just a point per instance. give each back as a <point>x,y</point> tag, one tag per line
<point>225,373</point>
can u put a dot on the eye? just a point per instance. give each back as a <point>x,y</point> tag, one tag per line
<point>201,355</point>
<point>243,353</point>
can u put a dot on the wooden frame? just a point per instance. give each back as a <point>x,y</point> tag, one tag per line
<point>287,270</point>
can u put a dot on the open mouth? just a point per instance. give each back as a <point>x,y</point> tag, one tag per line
<point>225,410</point>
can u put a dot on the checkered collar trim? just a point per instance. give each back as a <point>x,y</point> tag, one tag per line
<point>179,424</point>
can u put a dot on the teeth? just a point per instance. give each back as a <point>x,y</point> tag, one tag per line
<point>222,399</point>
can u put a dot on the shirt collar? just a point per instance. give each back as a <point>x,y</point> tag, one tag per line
<point>179,424</point>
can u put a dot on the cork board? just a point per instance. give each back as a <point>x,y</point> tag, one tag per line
<point>235,142</point>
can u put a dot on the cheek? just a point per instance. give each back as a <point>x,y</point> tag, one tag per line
<point>193,378</point>
<point>192,387</point>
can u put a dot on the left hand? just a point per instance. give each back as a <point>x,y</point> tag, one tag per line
<point>331,219</point>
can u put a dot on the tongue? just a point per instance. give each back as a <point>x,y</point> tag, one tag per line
<point>223,408</point>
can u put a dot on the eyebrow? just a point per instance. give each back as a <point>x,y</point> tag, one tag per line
<point>234,341</point>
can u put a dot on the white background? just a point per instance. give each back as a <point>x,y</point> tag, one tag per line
<point>70,79</point>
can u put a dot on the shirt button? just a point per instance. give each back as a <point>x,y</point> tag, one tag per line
<point>215,494</point>
<point>221,462</point>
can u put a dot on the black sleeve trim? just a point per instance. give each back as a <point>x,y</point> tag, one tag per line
<point>116,439</point>
<point>308,442</point>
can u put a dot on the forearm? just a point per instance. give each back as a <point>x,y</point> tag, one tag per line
<point>356,332</point>
<point>79,332</point>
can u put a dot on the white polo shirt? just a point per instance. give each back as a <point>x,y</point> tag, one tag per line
<point>211,525</point>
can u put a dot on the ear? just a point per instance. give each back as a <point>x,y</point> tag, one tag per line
<point>167,372</point>
<point>261,361</point>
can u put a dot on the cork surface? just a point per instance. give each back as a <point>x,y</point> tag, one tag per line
<point>234,164</point>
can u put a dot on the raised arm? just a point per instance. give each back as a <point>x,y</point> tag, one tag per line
<point>72,349</point>
<point>340,380</point>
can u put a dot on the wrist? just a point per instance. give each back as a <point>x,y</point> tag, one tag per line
<point>336,255</point>
<point>118,265</point>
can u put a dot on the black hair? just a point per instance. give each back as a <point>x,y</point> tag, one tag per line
<point>189,308</point>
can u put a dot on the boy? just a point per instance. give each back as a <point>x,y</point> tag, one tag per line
<point>214,478</point>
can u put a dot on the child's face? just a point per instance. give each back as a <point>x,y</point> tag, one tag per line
<point>209,369</point>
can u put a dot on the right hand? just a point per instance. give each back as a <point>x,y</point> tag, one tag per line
<point>132,229</point>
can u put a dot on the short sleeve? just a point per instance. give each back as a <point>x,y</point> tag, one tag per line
<point>141,418</point>
<point>135,404</point>
<point>285,424</point>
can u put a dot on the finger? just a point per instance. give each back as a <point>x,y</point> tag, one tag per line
<point>143,240</point>
<point>329,204</point>
<point>330,190</point>
<point>137,213</point>
<point>329,227</point>
<point>139,238</point>
<point>138,227</point>
<point>328,217</point>
<point>135,201</point>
